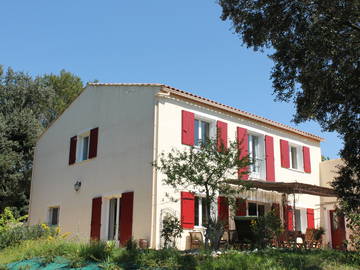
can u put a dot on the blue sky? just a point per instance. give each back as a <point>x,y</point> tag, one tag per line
<point>180,43</point>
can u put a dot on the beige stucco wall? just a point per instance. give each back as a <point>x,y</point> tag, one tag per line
<point>328,171</point>
<point>125,117</point>
<point>169,136</point>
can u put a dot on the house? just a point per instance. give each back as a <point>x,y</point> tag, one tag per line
<point>334,225</point>
<point>92,172</point>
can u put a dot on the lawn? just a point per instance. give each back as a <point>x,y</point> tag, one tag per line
<point>107,256</point>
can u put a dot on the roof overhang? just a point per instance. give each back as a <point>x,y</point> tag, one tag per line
<point>287,188</point>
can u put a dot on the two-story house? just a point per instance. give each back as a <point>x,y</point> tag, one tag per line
<point>93,176</point>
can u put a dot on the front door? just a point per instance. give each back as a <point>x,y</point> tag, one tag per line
<point>337,224</point>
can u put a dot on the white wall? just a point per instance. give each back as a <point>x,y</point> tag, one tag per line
<point>169,136</point>
<point>125,117</point>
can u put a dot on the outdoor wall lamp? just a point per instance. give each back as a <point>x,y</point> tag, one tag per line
<point>77,186</point>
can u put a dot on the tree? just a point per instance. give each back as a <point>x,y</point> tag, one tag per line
<point>27,107</point>
<point>316,51</point>
<point>205,170</point>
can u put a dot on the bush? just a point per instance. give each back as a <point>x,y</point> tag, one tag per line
<point>171,230</point>
<point>21,232</point>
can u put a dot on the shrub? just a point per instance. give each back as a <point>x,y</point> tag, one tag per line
<point>20,232</point>
<point>97,251</point>
<point>266,229</point>
<point>171,230</point>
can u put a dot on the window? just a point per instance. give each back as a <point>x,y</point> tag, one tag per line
<point>201,131</point>
<point>201,217</point>
<point>54,216</point>
<point>256,153</point>
<point>255,209</point>
<point>296,160</point>
<point>113,205</point>
<point>83,152</point>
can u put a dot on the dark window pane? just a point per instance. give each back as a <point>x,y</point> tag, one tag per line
<point>261,210</point>
<point>252,209</point>
<point>294,158</point>
<point>204,131</point>
<point>112,219</point>
<point>196,211</point>
<point>54,216</point>
<point>298,220</point>
<point>204,212</point>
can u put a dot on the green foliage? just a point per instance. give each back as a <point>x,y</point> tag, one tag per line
<point>204,170</point>
<point>266,229</point>
<point>27,107</point>
<point>109,257</point>
<point>21,232</point>
<point>316,52</point>
<point>353,223</point>
<point>171,230</point>
<point>8,220</point>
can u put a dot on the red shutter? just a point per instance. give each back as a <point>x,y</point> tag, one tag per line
<point>242,140</point>
<point>72,152</point>
<point>95,219</point>
<point>94,134</point>
<point>310,218</point>
<point>269,150</point>
<point>187,210</point>
<point>284,151</point>
<point>289,213</point>
<point>221,135</point>
<point>187,130</point>
<point>126,217</point>
<point>276,208</point>
<point>240,207</point>
<point>307,163</point>
<point>223,210</point>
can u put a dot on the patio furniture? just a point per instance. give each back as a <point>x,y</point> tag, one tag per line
<point>196,240</point>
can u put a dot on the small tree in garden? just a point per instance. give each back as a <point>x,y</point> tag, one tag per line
<point>171,230</point>
<point>205,170</point>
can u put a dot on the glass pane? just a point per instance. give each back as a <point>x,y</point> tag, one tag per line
<point>294,158</point>
<point>204,131</point>
<point>298,219</point>
<point>204,212</point>
<point>196,211</point>
<point>85,148</point>
<point>112,219</point>
<point>54,216</point>
<point>196,132</point>
<point>261,210</point>
<point>252,209</point>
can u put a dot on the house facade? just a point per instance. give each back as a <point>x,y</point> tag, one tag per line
<point>93,177</point>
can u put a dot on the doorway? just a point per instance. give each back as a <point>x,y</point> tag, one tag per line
<point>337,225</point>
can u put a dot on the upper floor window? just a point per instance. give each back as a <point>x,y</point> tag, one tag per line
<point>201,131</point>
<point>296,160</point>
<point>83,146</point>
<point>83,152</point>
<point>256,154</point>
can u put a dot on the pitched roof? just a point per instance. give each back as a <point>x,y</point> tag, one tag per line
<point>217,105</point>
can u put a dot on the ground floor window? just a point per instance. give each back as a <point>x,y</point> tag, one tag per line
<point>256,209</point>
<point>201,217</point>
<point>113,217</point>
<point>54,216</point>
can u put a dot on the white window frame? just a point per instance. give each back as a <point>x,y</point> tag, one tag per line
<point>80,146</point>
<point>105,215</point>
<point>257,208</point>
<point>260,158</point>
<point>200,224</point>
<point>299,157</point>
<point>50,215</point>
<point>212,127</point>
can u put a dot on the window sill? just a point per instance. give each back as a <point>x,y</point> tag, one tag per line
<point>295,170</point>
<point>82,162</point>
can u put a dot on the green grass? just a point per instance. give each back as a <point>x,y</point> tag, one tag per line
<point>112,258</point>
